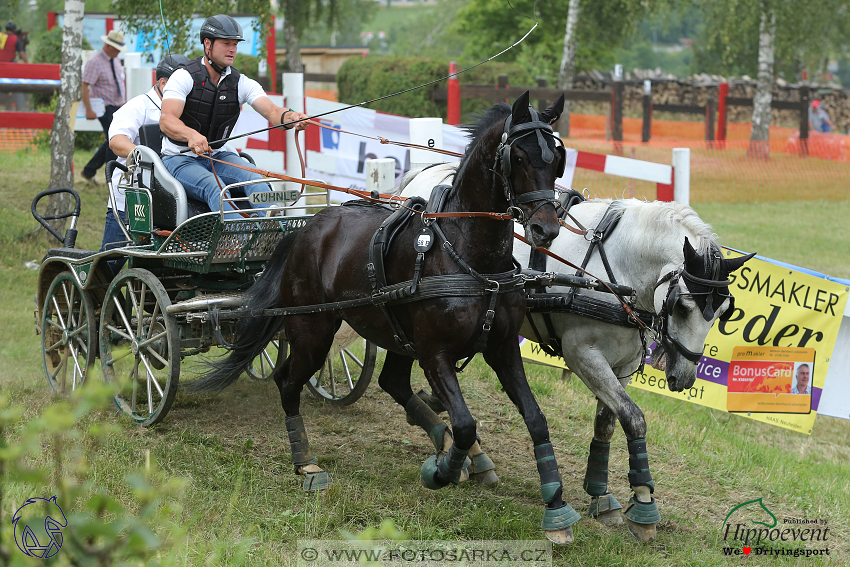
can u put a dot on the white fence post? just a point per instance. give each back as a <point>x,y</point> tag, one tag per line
<point>293,97</point>
<point>682,175</point>
<point>425,132</point>
<point>380,175</point>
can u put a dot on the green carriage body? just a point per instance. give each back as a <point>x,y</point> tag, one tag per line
<point>167,301</point>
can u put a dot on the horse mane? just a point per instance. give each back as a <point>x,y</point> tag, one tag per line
<point>658,218</point>
<point>481,124</point>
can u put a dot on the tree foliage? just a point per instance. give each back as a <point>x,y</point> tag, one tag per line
<point>491,26</point>
<point>176,16</point>
<point>806,35</point>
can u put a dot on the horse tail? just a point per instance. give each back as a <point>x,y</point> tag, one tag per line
<point>253,334</point>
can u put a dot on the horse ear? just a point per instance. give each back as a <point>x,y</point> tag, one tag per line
<point>735,263</point>
<point>551,114</point>
<point>689,251</point>
<point>520,109</point>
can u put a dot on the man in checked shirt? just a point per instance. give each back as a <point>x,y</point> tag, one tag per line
<point>103,77</point>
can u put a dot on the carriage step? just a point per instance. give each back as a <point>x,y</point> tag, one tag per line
<point>208,301</point>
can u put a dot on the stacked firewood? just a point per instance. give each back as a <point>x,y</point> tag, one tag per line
<point>695,90</point>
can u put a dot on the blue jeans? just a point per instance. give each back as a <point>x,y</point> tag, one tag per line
<point>113,234</point>
<point>195,174</point>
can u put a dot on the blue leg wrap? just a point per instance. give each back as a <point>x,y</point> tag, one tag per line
<point>596,478</point>
<point>547,467</point>
<point>639,465</point>
<point>439,471</point>
<point>298,442</point>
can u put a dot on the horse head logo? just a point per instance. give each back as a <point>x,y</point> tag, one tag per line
<point>38,527</point>
<point>753,509</point>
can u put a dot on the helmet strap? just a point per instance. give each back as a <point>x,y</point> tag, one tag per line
<point>212,63</point>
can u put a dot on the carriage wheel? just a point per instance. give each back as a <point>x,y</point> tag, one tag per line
<point>263,366</point>
<point>140,346</point>
<point>68,334</point>
<point>346,375</point>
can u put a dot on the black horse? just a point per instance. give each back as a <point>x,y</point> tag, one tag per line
<point>469,298</point>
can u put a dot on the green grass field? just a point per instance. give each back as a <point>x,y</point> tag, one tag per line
<point>241,504</point>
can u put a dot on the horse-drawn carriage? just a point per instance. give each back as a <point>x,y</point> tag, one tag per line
<point>188,268</point>
<point>431,281</point>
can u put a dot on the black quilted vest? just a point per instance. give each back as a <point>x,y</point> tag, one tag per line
<point>211,110</point>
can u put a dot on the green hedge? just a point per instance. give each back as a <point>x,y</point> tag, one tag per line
<point>366,78</point>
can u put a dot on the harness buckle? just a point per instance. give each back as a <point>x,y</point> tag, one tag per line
<point>488,320</point>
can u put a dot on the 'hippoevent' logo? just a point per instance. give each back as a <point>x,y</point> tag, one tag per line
<point>755,527</point>
<point>38,527</point>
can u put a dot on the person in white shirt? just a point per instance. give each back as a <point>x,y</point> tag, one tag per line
<point>124,136</point>
<point>201,105</point>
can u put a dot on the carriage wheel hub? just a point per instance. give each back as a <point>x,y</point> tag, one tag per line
<point>134,347</point>
<point>66,337</point>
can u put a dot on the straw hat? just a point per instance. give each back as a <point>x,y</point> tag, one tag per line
<point>115,39</point>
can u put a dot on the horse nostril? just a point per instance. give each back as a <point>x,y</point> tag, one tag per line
<point>540,237</point>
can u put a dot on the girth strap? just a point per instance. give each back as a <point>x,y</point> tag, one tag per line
<point>378,248</point>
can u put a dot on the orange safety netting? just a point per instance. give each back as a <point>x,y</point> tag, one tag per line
<point>730,171</point>
<point>17,139</point>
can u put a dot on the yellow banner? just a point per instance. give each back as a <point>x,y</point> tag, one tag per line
<point>777,345</point>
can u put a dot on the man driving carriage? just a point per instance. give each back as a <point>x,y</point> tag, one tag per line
<point>199,109</point>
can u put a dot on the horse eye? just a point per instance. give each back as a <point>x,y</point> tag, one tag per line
<point>519,161</point>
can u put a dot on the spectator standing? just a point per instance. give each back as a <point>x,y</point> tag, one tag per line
<point>818,118</point>
<point>103,77</point>
<point>12,45</point>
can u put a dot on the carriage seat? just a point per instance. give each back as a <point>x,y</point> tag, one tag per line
<point>171,206</point>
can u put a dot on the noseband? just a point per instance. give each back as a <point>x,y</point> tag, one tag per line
<point>717,287</point>
<point>502,165</point>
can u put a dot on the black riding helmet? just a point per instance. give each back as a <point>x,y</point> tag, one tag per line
<point>169,64</point>
<point>221,26</point>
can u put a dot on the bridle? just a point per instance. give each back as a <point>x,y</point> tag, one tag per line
<point>502,164</point>
<point>717,287</point>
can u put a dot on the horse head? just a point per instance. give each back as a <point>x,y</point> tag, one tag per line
<point>529,159</point>
<point>697,295</point>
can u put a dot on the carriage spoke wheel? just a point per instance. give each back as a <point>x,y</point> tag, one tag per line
<point>345,375</point>
<point>68,334</point>
<point>140,350</point>
<point>263,366</point>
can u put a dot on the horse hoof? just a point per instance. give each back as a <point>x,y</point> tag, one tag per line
<point>557,524</point>
<point>486,478</point>
<point>606,510</point>
<point>612,518</point>
<point>641,519</point>
<point>316,481</point>
<point>560,537</point>
<point>642,532</point>
<point>428,475</point>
